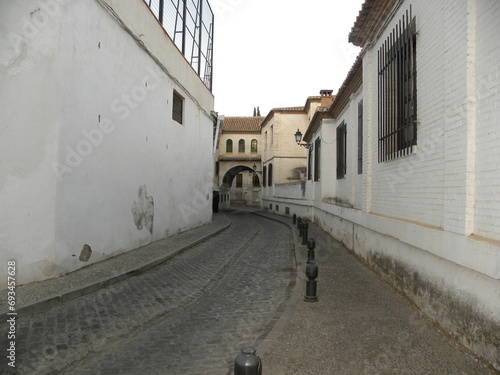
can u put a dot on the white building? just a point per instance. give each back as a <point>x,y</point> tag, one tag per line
<point>410,172</point>
<point>106,134</point>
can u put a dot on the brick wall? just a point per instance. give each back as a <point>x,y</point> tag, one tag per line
<point>487,182</point>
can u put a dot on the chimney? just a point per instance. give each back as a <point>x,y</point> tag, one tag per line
<point>326,97</point>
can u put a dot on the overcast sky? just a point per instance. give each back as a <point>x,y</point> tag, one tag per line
<point>276,53</point>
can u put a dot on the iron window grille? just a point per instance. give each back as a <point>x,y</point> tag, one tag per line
<point>341,150</point>
<point>190,25</point>
<point>177,107</point>
<point>397,96</point>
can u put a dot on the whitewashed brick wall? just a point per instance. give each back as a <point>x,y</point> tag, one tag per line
<point>487,182</point>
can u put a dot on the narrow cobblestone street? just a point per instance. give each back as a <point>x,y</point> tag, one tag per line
<point>190,315</point>
<point>241,286</point>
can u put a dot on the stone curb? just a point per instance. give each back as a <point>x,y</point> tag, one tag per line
<point>52,300</point>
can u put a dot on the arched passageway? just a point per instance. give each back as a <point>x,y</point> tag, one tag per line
<point>241,185</point>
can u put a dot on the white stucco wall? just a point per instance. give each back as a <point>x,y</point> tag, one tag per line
<point>88,138</point>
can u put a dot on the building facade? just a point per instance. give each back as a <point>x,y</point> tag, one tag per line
<point>283,162</point>
<point>409,172</point>
<point>238,162</point>
<point>102,116</point>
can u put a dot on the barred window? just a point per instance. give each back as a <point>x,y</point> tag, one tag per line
<point>241,145</point>
<point>229,145</point>
<point>397,97</point>
<point>341,150</point>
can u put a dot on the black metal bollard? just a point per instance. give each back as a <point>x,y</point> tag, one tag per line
<point>247,362</point>
<point>299,219</point>
<point>311,285</point>
<point>304,234</point>
<point>294,219</point>
<point>311,244</point>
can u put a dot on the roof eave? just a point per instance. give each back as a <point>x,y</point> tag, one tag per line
<point>315,123</point>
<point>371,17</point>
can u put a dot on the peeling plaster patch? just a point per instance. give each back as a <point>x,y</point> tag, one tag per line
<point>143,210</point>
<point>86,253</point>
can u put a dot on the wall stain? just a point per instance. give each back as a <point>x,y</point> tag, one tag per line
<point>143,210</point>
<point>460,318</point>
<point>85,253</point>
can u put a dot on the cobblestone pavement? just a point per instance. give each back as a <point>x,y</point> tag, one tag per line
<point>188,316</point>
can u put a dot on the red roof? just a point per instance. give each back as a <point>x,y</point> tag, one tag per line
<point>242,124</point>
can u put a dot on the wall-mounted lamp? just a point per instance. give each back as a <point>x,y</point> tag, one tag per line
<point>298,138</point>
<point>254,167</point>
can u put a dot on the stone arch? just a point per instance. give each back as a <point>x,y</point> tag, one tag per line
<point>252,193</point>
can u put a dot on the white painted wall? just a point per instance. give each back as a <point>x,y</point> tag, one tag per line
<point>487,83</point>
<point>88,136</point>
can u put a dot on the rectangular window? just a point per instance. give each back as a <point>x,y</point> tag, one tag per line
<point>397,92</point>
<point>255,179</point>
<point>270,175</point>
<point>177,107</point>
<point>239,180</point>
<point>309,164</point>
<point>360,137</point>
<point>317,159</point>
<point>341,150</point>
<point>264,176</point>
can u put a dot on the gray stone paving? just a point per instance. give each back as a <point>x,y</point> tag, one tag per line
<point>40,296</point>
<point>360,325</point>
<point>191,314</point>
<point>187,316</point>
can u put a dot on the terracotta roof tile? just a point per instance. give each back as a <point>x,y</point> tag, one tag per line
<point>371,17</point>
<point>242,124</point>
<point>286,109</point>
